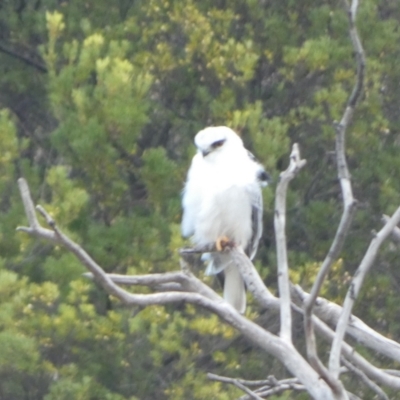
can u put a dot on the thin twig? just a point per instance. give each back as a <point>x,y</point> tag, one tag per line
<point>270,386</point>
<point>368,382</point>
<point>282,388</point>
<point>235,382</point>
<point>349,203</point>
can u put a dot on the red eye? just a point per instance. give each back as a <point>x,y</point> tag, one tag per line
<point>218,143</point>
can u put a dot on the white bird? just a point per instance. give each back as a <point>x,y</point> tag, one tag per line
<point>222,201</point>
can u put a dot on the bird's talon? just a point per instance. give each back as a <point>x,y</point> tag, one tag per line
<point>223,243</point>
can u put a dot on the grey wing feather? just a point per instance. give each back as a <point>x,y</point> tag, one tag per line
<point>256,221</point>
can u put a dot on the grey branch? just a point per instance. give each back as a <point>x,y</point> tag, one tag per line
<point>330,313</point>
<point>381,376</point>
<point>349,203</point>
<point>296,163</point>
<point>364,378</point>
<point>237,382</point>
<point>396,231</point>
<point>270,343</point>
<point>354,289</point>
<point>181,281</point>
<point>324,310</point>
<point>327,311</point>
<point>267,388</point>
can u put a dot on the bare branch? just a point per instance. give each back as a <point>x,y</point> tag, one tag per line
<point>393,372</point>
<point>266,299</point>
<point>360,55</point>
<point>396,231</point>
<point>253,281</point>
<point>349,203</point>
<point>330,313</point>
<point>269,387</point>
<point>354,289</point>
<point>151,280</point>
<point>236,382</point>
<point>283,270</point>
<point>281,388</point>
<point>210,300</point>
<point>381,376</point>
<point>296,163</point>
<point>272,344</point>
<point>372,385</point>
<point>186,280</point>
<point>28,204</point>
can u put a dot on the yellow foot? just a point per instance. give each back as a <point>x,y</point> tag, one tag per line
<point>223,243</point>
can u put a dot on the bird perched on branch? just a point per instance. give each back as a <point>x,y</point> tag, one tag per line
<point>222,205</point>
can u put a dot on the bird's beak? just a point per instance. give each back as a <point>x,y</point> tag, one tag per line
<point>205,153</point>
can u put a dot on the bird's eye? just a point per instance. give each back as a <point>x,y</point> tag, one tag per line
<point>218,143</point>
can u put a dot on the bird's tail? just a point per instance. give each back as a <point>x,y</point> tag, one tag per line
<point>234,288</point>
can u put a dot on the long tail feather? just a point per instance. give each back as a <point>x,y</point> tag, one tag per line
<point>234,288</point>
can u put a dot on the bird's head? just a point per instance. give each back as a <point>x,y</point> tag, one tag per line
<point>217,139</point>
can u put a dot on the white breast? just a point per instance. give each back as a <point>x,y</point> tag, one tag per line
<point>217,201</point>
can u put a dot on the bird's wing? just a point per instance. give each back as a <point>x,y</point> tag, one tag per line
<point>192,197</point>
<point>254,191</point>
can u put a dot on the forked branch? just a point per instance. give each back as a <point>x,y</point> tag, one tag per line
<point>264,388</point>
<point>354,289</point>
<point>296,163</point>
<point>349,203</point>
<point>198,295</point>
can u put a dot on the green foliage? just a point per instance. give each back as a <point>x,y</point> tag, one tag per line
<point>19,352</point>
<point>104,139</point>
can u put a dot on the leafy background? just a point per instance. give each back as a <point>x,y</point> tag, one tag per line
<point>99,104</point>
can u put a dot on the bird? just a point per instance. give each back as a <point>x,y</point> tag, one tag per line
<point>222,204</point>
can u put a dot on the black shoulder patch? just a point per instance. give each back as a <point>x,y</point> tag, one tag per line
<point>263,176</point>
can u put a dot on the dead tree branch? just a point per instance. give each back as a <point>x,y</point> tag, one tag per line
<point>330,313</point>
<point>296,163</point>
<point>237,382</point>
<point>349,203</point>
<point>364,378</point>
<point>268,387</point>
<point>272,344</point>
<point>354,289</point>
<point>396,231</point>
<point>379,375</point>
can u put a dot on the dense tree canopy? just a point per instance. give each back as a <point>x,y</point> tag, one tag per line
<point>99,104</point>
